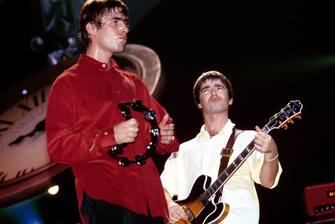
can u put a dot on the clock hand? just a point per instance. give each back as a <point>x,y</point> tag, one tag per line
<point>17,140</point>
<point>40,126</point>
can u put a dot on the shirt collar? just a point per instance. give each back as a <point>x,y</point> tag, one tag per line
<point>90,62</point>
<point>203,134</point>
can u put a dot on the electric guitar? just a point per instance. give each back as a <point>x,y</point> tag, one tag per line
<point>203,205</point>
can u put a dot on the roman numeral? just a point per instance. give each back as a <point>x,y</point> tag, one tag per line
<point>2,176</point>
<point>21,173</point>
<point>5,123</point>
<point>24,107</point>
<point>39,98</point>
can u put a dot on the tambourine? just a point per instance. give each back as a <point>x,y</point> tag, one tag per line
<point>149,116</point>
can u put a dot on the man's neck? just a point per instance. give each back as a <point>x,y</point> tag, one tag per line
<point>214,123</point>
<point>99,54</point>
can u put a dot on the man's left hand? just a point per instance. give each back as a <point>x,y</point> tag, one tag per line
<point>166,130</point>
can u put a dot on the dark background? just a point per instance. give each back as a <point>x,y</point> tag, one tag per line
<point>274,52</point>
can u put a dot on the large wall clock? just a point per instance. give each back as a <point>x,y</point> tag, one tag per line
<point>25,167</point>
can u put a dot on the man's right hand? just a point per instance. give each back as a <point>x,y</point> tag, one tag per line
<point>126,131</point>
<point>176,213</point>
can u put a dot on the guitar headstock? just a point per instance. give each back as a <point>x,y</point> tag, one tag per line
<point>285,116</point>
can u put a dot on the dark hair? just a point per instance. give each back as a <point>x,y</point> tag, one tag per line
<point>211,75</point>
<point>93,10</point>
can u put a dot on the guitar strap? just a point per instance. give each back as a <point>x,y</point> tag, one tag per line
<point>228,150</point>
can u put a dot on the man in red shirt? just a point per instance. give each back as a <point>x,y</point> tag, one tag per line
<point>116,179</point>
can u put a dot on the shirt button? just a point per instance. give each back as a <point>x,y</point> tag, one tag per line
<point>103,65</point>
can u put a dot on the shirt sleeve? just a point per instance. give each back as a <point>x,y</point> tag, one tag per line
<point>168,175</point>
<point>67,143</point>
<point>256,166</point>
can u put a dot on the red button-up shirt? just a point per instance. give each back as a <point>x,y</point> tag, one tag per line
<point>81,113</point>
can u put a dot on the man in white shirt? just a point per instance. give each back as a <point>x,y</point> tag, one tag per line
<point>198,161</point>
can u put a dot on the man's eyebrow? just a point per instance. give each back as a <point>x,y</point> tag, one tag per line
<point>219,85</point>
<point>215,85</point>
<point>118,18</point>
<point>204,87</point>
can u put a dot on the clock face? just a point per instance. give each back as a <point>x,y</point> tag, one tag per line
<point>22,137</point>
<point>23,148</point>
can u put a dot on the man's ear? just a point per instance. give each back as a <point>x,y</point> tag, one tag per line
<point>90,28</point>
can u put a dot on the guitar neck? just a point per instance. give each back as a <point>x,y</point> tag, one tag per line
<point>225,175</point>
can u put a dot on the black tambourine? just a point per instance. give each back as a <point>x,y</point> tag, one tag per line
<point>149,116</point>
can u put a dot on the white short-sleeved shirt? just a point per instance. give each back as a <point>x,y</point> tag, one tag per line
<point>201,156</point>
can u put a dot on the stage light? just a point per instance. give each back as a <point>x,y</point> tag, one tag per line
<point>53,190</point>
<point>24,92</point>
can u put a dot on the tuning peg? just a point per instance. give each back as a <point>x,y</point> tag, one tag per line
<point>291,121</point>
<point>299,117</point>
<point>285,126</point>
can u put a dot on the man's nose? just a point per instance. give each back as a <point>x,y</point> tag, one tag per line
<point>213,91</point>
<point>125,28</point>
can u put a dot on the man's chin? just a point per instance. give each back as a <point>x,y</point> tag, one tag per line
<point>121,49</point>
